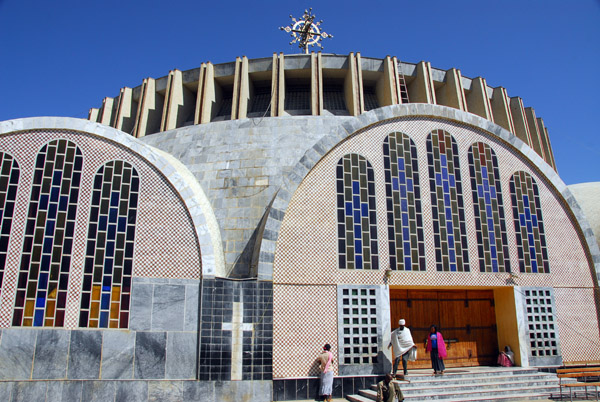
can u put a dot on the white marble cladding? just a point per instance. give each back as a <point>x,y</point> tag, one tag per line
<point>160,344</point>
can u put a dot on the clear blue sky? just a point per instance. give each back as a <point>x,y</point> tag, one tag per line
<point>62,57</point>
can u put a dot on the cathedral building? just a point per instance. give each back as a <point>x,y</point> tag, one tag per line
<point>202,235</point>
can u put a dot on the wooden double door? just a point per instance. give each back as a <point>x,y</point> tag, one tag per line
<point>466,319</point>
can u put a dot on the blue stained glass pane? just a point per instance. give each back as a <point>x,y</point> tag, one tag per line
<point>63,203</point>
<point>114,199</point>
<point>406,247</point>
<point>404,219</point>
<point>355,187</point>
<point>407,264</point>
<point>438,179</point>
<point>45,264</point>
<point>526,199</point>
<point>102,222</point>
<point>110,249</point>
<point>404,205</point>
<point>487,198</point>
<point>495,265</point>
<point>357,232</point>
<point>488,210</point>
<point>50,228</point>
<point>532,252</point>
<point>44,201</point>
<point>356,216</point>
<point>357,245</point>
<point>40,300</point>
<point>522,219</point>
<point>534,267</point>
<point>112,213</point>
<point>356,202</point>
<point>402,176</point>
<point>403,191</point>
<point>534,220</point>
<point>52,210</point>
<point>452,255</point>
<point>445,173</point>
<point>47,245</point>
<point>443,159</point>
<point>447,198</point>
<point>449,226</point>
<point>486,184</point>
<point>529,226</point>
<point>494,252</point>
<point>43,281</point>
<point>364,207</point>
<point>56,177</point>
<point>409,185</point>
<point>490,222</point>
<point>448,213</point>
<point>484,172</point>
<point>492,236</point>
<point>493,191</point>
<point>527,213</point>
<point>480,191</point>
<point>103,319</point>
<point>358,261</point>
<point>112,231</point>
<point>106,280</point>
<point>108,265</point>
<point>451,240</point>
<point>530,239</point>
<point>38,319</point>
<point>54,194</point>
<point>446,186</point>
<point>122,224</point>
<point>348,208</point>
<point>401,164</point>
<point>105,301</point>
<point>395,184</point>
<point>452,181</point>
<point>453,267</point>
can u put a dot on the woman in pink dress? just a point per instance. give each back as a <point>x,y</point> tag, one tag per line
<point>435,345</point>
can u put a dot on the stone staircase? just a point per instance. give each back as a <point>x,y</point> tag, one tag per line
<point>473,384</point>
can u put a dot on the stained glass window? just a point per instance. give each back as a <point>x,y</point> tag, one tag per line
<point>529,226</point>
<point>46,258</point>
<point>448,213</point>
<point>106,293</point>
<point>403,201</point>
<point>492,243</point>
<point>357,223</point>
<point>9,180</point>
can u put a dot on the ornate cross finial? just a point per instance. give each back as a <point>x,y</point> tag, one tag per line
<point>305,31</point>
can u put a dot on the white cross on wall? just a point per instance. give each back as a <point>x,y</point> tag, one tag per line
<point>237,328</point>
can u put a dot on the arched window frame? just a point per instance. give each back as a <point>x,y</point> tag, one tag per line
<point>357,220</point>
<point>9,182</point>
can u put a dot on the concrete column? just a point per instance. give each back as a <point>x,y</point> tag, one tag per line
<point>359,84</point>
<point>452,93</point>
<point>420,90</point>
<point>548,156</point>
<point>392,66</point>
<point>316,84</point>
<point>519,120</point>
<point>106,111</point>
<point>241,89</point>
<point>351,88</point>
<point>93,114</point>
<point>533,132</point>
<point>550,148</point>
<point>150,109</point>
<point>206,97</point>
<point>386,85</point>
<point>501,109</point>
<point>179,104</point>
<point>278,85</point>
<point>478,101</point>
<point>126,110</point>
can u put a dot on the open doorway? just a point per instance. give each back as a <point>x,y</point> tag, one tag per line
<point>466,318</point>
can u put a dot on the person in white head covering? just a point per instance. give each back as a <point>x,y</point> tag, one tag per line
<point>402,342</point>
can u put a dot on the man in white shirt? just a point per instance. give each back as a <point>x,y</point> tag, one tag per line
<point>402,342</point>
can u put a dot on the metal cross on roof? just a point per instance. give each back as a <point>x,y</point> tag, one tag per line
<point>305,31</point>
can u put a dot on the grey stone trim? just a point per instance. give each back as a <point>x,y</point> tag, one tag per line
<point>175,172</point>
<point>354,125</point>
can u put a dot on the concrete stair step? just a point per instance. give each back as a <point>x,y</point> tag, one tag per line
<point>497,389</point>
<point>445,381</point>
<point>484,386</point>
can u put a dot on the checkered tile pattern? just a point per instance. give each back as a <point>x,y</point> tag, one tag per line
<point>304,320</point>
<point>165,242</point>
<point>306,251</point>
